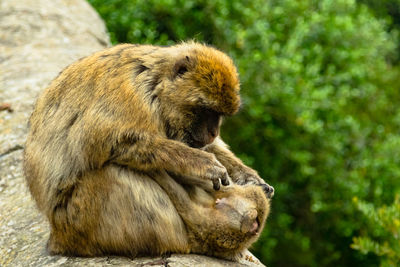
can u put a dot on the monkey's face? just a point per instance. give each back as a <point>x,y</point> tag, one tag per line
<point>203,86</point>
<point>203,129</point>
<point>196,127</point>
<point>241,214</point>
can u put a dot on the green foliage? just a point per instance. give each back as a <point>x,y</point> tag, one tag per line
<point>388,10</point>
<point>320,120</point>
<point>156,22</point>
<point>385,229</point>
<point>385,8</point>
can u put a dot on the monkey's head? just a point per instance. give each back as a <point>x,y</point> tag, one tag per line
<point>202,87</point>
<point>243,210</point>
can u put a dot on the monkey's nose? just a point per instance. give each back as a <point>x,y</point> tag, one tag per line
<point>212,135</point>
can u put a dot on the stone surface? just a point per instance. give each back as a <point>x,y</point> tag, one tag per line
<point>38,38</point>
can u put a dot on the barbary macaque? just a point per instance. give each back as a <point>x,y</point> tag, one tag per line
<point>109,121</point>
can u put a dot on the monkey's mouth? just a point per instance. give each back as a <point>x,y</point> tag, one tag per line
<point>197,144</point>
<point>193,142</point>
<point>251,227</point>
<point>255,227</point>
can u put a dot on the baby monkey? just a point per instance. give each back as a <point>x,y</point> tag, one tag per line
<point>220,223</point>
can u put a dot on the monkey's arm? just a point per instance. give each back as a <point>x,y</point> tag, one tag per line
<point>149,153</point>
<point>177,194</point>
<point>197,216</point>
<point>239,173</point>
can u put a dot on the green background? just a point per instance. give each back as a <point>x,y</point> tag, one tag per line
<point>320,122</point>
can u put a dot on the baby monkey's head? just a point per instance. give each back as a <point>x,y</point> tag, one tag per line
<point>243,212</point>
<point>203,86</point>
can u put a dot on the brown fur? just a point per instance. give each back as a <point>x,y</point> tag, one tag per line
<point>219,223</point>
<point>109,120</point>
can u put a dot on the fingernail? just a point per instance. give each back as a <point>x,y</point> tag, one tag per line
<point>225,182</point>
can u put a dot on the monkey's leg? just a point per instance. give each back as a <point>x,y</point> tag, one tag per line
<point>240,173</point>
<point>117,211</point>
<point>154,154</point>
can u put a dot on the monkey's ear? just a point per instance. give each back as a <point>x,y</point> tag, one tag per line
<point>181,67</point>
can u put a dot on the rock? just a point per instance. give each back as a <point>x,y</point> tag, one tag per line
<point>38,38</point>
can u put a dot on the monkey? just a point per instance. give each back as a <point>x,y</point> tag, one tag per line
<point>109,120</point>
<point>220,223</point>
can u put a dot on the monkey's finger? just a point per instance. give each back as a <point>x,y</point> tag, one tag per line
<point>225,179</point>
<point>216,184</point>
<point>268,190</point>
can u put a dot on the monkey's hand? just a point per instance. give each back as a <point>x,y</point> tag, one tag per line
<point>204,165</point>
<point>216,172</point>
<point>245,175</point>
<point>240,173</point>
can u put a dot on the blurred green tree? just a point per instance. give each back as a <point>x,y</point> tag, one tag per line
<point>320,120</point>
<point>385,8</point>
<point>384,239</point>
<point>390,11</point>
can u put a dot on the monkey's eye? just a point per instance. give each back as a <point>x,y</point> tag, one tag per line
<point>182,70</point>
<point>181,67</point>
